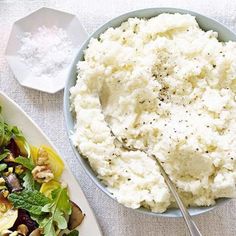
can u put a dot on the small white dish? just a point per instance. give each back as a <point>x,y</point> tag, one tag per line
<point>14,115</point>
<point>43,17</point>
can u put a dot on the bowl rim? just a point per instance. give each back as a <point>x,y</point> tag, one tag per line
<point>224,34</point>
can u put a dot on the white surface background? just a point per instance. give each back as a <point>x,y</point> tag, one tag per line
<point>47,111</point>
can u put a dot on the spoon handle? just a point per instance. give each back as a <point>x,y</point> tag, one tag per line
<point>192,227</point>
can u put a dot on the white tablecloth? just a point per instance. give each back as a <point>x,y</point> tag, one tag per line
<point>47,111</point>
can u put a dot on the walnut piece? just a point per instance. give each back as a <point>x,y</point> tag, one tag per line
<point>42,173</point>
<point>42,157</point>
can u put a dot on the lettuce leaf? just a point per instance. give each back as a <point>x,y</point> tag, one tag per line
<point>7,132</point>
<point>58,209</point>
<point>4,154</point>
<point>19,135</point>
<point>3,166</point>
<point>29,182</point>
<point>24,161</point>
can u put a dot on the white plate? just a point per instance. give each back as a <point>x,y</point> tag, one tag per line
<point>14,115</point>
<point>43,17</point>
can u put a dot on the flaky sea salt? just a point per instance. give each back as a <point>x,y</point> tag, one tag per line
<point>47,51</point>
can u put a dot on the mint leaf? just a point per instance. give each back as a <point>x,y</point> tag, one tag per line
<point>31,201</point>
<point>29,182</point>
<point>24,161</point>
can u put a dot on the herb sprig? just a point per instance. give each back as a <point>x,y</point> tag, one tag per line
<point>57,209</point>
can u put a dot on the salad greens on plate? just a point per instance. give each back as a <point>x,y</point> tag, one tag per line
<point>33,200</point>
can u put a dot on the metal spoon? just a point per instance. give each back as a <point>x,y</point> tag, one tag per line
<point>192,227</point>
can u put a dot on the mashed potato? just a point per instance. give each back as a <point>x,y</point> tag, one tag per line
<point>165,85</point>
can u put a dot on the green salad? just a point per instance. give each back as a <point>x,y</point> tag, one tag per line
<point>33,200</point>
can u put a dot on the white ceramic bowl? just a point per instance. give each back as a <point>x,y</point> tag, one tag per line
<point>43,17</point>
<point>206,24</point>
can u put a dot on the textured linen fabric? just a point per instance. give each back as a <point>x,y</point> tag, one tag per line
<point>47,111</point>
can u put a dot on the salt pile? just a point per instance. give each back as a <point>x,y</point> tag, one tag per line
<point>47,51</point>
